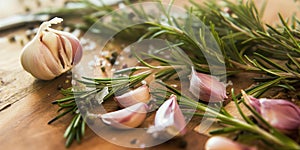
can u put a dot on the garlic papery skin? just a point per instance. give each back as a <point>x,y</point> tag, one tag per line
<point>222,143</point>
<point>169,120</point>
<point>206,87</point>
<point>127,118</point>
<point>140,94</point>
<point>281,114</point>
<point>51,52</point>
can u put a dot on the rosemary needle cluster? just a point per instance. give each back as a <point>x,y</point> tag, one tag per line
<point>250,45</point>
<point>246,43</point>
<point>84,98</point>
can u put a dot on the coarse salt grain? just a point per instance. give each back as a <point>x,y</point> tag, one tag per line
<point>142,145</point>
<point>76,32</point>
<point>104,53</point>
<point>174,85</point>
<point>144,82</point>
<point>127,50</point>
<point>116,63</point>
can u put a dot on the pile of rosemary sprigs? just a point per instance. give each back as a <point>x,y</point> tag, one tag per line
<point>247,44</point>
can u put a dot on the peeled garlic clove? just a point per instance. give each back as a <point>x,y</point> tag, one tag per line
<point>206,87</point>
<point>140,94</point>
<point>281,114</point>
<point>169,120</point>
<point>126,118</point>
<point>222,143</point>
<point>51,52</point>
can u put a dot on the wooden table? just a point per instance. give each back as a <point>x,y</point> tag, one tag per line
<point>25,103</point>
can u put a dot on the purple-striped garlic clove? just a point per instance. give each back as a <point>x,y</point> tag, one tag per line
<point>222,143</point>
<point>206,87</point>
<point>127,118</point>
<point>169,120</point>
<point>281,114</point>
<point>140,94</point>
<point>51,52</point>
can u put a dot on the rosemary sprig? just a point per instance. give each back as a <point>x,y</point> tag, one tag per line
<point>239,27</point>
<point>73,100</point>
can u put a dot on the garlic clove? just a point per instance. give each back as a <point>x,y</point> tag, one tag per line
<point>62,63</point>
<point>67,53</point>
<point>38,60</point>
<point>169,120</point>
<point>206,87</point>
<point>222,143</point>
<point>49,39</point>
<point>51,52</point>
<point>140,94</point>
<point>281,114</point>
<point>127,118</point>
<point>75,44</point>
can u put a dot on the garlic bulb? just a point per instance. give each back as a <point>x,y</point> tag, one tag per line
<point>129,117</point>
<point>51,52</point>
<point>140,94</point>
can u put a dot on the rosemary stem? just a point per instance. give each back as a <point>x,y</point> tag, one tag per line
<point>243,67</point>
<point>171,67</point>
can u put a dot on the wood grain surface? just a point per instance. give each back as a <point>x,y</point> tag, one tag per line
<point>25,103</point>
